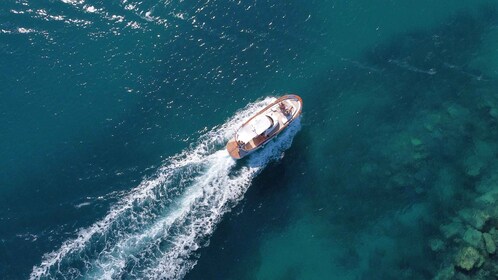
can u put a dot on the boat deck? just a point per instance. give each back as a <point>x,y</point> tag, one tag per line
<point>282,119</point>
<point>281,115</point>
<point>233,149</point>
<point>255,142</point>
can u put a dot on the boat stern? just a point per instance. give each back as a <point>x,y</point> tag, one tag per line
<point>234,150</point>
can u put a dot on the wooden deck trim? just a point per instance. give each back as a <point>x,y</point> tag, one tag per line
<point>282,126</point>
<point>237,152</point>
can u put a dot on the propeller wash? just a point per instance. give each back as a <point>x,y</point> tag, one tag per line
<point>154,231</point>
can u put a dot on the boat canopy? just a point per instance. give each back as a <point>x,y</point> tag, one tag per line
<point>254,128</point>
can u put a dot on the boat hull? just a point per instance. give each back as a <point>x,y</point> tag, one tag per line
<point>282,113</point>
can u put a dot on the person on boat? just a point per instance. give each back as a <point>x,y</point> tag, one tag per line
<point>284,108</point>
<point>241,144</point>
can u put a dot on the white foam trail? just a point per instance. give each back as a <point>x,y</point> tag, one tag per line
<point>219,197</point>
<point>158,225</point>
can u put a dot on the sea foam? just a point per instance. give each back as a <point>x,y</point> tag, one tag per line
<point>155,230</point>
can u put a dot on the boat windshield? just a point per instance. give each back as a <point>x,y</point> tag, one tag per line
<point>254,128</point>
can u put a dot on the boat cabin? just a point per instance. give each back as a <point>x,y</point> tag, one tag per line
<point>264,125</point>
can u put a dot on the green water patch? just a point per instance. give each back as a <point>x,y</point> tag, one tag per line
<point>400,151</point>
<point>434,120</point>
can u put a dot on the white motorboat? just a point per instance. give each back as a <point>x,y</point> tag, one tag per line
<point>264,125</point>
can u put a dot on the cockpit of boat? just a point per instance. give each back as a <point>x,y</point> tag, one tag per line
<point>263,126</point>
<point>254,128</point>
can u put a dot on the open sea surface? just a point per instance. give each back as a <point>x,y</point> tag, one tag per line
<point>114,116</point>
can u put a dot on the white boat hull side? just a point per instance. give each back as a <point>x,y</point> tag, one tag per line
<point>249,137</point>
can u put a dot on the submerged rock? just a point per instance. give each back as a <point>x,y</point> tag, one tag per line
<point>445,187</point>
<point>416,142</point>
<point>494,234</point>
<point>489,243</point>
<point>452,229</point>
<point>473,237</point>
<point>436,244</point>
<point>419,155</point>
<point>457,111</point>
<point>489,182</point>
<point>432,121</point>
<point>473,165</point>
<point>494,113</point>
<point>480,158</point>
<point>401,180</point>
<point>474,217</point>
<point>469,258</point>
<point>446,273</point>
<point>487,199</point>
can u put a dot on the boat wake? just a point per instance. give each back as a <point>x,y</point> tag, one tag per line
<point>155,230</point>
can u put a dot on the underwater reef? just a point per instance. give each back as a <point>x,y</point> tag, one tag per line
<point>402,182</point>
<point>444,147</point>
<point>430,144</point>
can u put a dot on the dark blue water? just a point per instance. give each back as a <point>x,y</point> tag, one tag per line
<point>113,118</point>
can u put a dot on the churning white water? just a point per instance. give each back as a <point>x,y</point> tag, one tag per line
<point>155,229</point>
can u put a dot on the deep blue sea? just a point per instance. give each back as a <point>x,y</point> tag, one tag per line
<point>114,116</point>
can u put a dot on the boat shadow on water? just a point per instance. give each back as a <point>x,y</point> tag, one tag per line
<point>273,150</point>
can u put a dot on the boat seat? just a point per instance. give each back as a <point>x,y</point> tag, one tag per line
<point>286,118</point>
<point>275,125</point>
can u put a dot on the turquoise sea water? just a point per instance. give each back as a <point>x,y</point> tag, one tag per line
<point>114,114</point>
